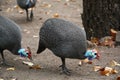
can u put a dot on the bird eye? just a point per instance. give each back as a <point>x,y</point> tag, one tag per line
<point>95,53</point>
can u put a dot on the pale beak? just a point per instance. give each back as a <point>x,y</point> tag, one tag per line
<point>98,56</point>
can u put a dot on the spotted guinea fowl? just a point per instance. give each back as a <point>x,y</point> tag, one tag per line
<point>26,4</point>
<point>10,38</point>
<point>64,39</point>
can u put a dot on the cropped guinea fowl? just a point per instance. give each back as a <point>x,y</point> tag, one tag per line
<point>26,4</point>
<point>10,37</point>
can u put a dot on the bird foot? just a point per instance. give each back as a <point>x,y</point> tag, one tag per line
<point>65,70</point>
<point>31,17</point>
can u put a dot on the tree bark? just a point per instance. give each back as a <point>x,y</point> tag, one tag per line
<point>99,16</point>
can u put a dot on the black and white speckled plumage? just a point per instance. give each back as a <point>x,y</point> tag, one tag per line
<point>63,38</point>
<point>10,35</point>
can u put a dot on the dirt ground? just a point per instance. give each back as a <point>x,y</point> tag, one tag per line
<point>66,9</point>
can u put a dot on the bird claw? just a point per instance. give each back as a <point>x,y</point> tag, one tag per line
<point>65,70</point>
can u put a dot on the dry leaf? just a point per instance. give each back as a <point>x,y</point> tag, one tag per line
<point>28,63</point>
<point>113,33</point>
<point>80,63</point>
<point>118,78</point>
<point>10,69</point>
<point>16,7</point>
<point>21,12</point>
<point>97,68</point>
<point>114,63</point>
<point>95,40</point>
<point>107,41</point>
<point>35,67</point>
<point>8,10</point>
<point>56,15</point>
<point>35,36</point>
<point>46,5</point>
<point>85,60</point>
<point>107,71</point>
<point>114,71</point>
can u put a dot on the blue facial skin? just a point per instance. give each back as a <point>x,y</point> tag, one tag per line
<point>90,54</point>
<point>23,52</point>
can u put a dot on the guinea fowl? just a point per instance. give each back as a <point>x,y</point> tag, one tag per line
<point>10,38</point>
<point>26,4</point>
<point>64,39</point>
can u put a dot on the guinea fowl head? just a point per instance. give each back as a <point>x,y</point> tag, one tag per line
<point>92,54</point>
<point>25,53</point>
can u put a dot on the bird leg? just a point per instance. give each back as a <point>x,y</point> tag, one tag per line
<point>31,14</point>
<point>64,68</point>
<point>27,15</point>
<point>4,63</point>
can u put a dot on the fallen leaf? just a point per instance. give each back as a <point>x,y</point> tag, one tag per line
<point>107,71</point>
<point>35,36</point>
<point>107,41</point>
<point>46,5</point>
<point>114,63</point>
<point>97,68</point>
<point>95,40</point>
<point>8,10</point>
<point>114,71</point>
<point>21,12</point>
<point>118,78</point>
<point>28,63</point>
<point>85,60</point>
<point>80,63</point>
<point>35,67</point>
<point>10,69</point>
<point>56,15</point>
<point>16,7</point>
<point>113,33</point>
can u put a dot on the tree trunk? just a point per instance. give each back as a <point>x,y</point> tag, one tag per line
<point>99,16</point>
